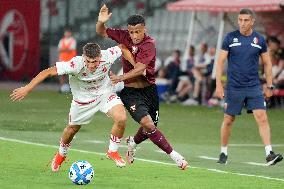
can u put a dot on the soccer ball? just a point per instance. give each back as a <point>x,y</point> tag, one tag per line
<point>81,172</point>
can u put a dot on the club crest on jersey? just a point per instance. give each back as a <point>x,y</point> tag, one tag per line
<point>235,40</point>
<point>133,108</point>
<point>104,69</point>
<point>134,49</point>
<point>255,40</point>
<point>72,65</point>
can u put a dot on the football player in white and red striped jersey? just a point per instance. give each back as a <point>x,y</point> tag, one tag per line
<point>92,91</point>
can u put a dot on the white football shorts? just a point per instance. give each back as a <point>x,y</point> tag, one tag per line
<point>82,113</point>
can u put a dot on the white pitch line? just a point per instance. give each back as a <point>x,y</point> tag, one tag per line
<point>206,157</point>
<point>217,170</point>
<point>254,145</point>
<point>95,141</point>
<point>255,163</point>
<point>102,142</point>
<point>145,160</point>
<point>250,163</point>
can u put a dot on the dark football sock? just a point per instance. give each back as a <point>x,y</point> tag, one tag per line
<point>140,136</point>
<point>159,139</point>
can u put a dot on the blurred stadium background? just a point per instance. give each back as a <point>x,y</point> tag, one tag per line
<point>31,29</point>
<point>29,34</point>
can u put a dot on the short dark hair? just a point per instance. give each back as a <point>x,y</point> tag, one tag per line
<point>135,19</point>
<point>247,11</point>
<point>92,50</point>
<point>178,52</point>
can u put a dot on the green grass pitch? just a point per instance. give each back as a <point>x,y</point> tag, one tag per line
<point>30,132</point>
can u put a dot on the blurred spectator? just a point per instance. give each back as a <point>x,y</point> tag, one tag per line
<point>162,84</point>
<point>210,83</point>
<point>276,54</point>
<point>67,50</point>
<point>173,71</point>
<point>185,81</point>
<point>277,58</point>
<point>202,60</point>
<point>278,78</point>
<point>158,66</point>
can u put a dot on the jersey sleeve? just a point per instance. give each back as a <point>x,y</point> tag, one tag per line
<point>225,44</point>
<point>112,53</point>
<point>117,34</point>
<point>146,53</point>
<point>73,66</point>
<point>263,45</point>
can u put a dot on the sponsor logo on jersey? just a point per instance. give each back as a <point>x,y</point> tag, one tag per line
<point>72,65</point>
<point>235,40</point>
<point>255,40</point>
<point>104,69</point>
<point>133,108</point>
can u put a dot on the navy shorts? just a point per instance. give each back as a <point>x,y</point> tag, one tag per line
<point>250,98</point>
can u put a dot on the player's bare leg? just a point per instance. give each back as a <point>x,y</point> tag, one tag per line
<point>118,114</point>
<point>264,131</point>
<point>226,129</point>
<point>263,125</point>
<point>67,136</point>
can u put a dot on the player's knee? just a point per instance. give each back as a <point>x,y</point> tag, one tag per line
<point>121,120</point>
<point>261,118</point>
<point>147,123</point>
<point>228,120</point>
<point>72,130</point>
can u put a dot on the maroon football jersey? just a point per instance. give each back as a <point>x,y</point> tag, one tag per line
<point>144,52</point>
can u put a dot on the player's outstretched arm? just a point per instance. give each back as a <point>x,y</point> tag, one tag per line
<point>138,70</point>
<point>103,17</point>
<point>21,93</point>
<point>219,70</point>
<point>127,54</point>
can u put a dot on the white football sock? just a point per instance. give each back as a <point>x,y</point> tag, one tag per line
<point>114,142</point>
<point>268,149</point>
<point>174,155</point>
<point>224,149</point>
<point>132,143</point>
<point>63,148</point>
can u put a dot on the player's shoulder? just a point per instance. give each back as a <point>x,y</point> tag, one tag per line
<point>149,39</point>
<point>111,50</point>
<point>258,35</point>
<point>148,42</point>
<point>233,34</point>
<point>77,59</point>
<point>110,53</point>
